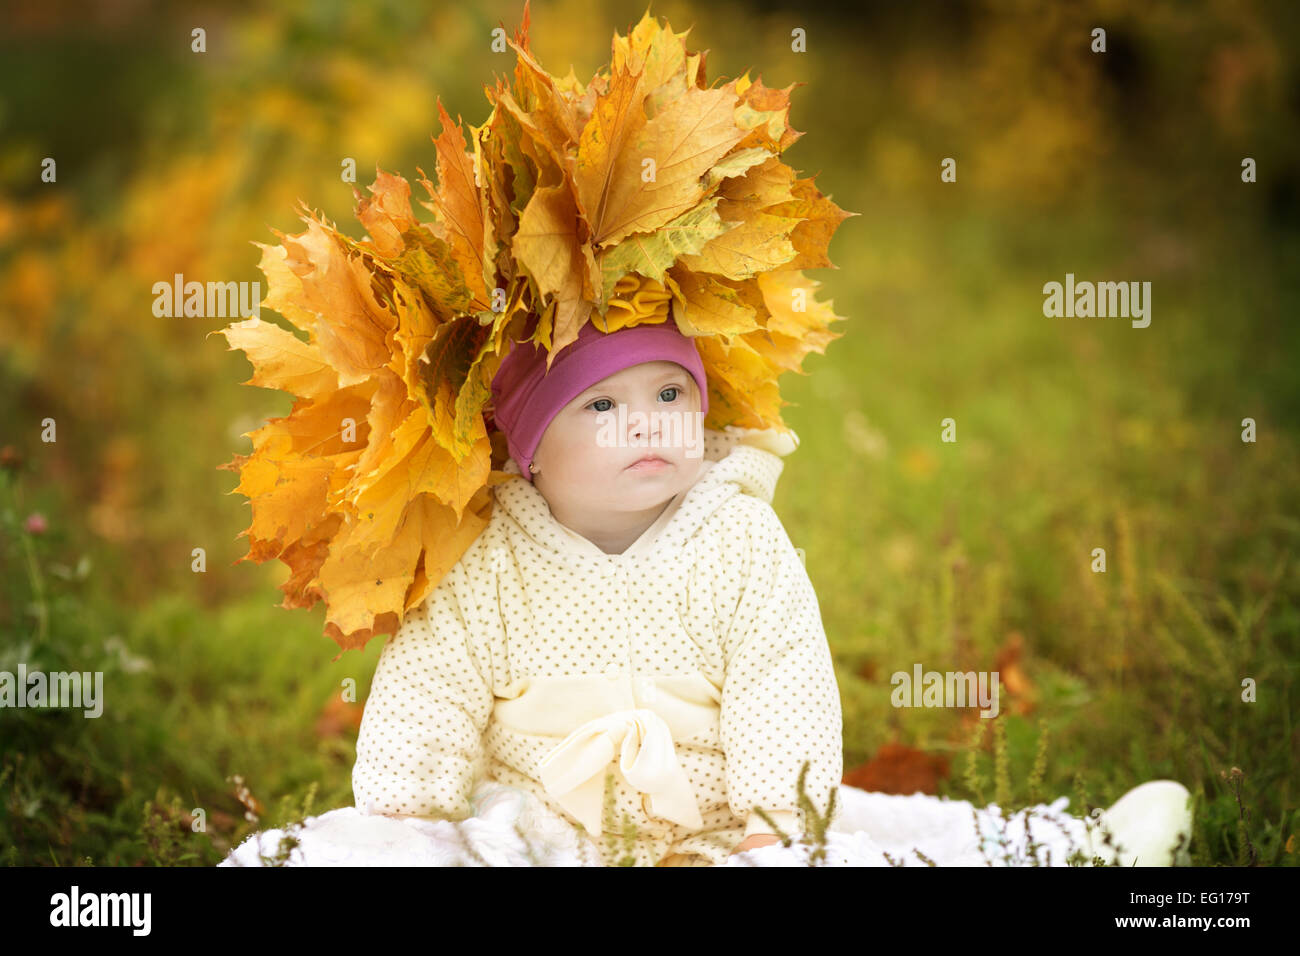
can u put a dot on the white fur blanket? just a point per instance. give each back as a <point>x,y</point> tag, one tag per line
<point>870,829</point>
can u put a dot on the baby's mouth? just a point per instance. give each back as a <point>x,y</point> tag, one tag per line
<point>649,462</point>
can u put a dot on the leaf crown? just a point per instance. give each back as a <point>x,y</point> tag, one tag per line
<point>643,196</point>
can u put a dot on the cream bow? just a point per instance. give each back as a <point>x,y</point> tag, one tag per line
<point>574,772</point>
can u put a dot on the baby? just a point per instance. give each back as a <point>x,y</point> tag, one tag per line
<point>633,608</point>
<point>649,622</point>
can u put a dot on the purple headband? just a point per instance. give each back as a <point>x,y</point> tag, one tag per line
<point>527,397</point>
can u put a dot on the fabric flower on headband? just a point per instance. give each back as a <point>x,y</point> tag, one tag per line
<point>643,196</point>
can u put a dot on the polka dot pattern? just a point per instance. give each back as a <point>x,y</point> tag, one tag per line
<point>717,590</point>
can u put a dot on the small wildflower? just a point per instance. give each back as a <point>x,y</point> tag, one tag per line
<point>252,806</point>
<point>35,523</point>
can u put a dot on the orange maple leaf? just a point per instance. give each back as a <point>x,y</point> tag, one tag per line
<point>1012,676</point>
<point>897,768</point>
<point>339,717</point>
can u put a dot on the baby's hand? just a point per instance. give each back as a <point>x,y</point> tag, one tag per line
<point>755,841</point>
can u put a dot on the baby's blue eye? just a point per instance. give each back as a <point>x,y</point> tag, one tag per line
<point>676,392</point>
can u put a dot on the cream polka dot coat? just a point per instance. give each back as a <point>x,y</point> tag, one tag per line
<point>693,668</point>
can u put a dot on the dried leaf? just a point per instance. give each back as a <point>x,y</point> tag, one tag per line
<point>339,718</point>
<point>1012,677</point>
<point>899,769</point>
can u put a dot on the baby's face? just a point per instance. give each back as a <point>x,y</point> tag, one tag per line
<point>587,458</point>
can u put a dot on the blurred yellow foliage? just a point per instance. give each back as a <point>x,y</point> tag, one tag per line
<point>919,463</point>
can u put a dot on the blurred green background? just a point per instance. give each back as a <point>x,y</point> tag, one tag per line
<point>1073,434</point>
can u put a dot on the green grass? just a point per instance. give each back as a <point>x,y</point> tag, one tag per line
<point>922,551</point>
<point>919,550</point>
<point>192,698</point>
<point>1072,434</point>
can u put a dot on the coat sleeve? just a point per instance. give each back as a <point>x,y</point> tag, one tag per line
<point>419,750</point>
<point>780,699</point>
